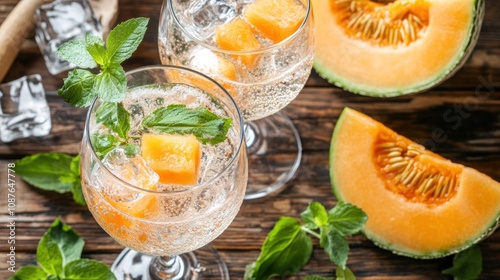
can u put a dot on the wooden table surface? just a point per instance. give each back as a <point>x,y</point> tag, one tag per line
<point>473,140</point>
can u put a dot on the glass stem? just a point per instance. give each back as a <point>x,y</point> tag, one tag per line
<point>166,267</point>
<point>253,138</point>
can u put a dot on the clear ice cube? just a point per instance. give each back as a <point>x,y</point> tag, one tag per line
<point>60,21</point>
<point>130,168</point>
<point>204,16</point>
<point>24,112</point>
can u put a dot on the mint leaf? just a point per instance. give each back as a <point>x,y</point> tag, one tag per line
<point>78,197</point>
<point>75,51</point>
<point>111,84</point>
<point>95,47</point>
<point>70,244</point>
<point>177,118</point>
<point>345,274</point>
<point>57,172</point>
<point>81,86</point>
<point>467,264</point>
<point>75,180</point>
<point>86,269</point>
<point>44,171</point>
<point>347,218</point>
<point>115,117</point>
<point>58,254</point>
<point>315,215</point>
<point>104,143</point>
<point>285,251</point>
<point>124,39</point>
<point>29,272</point>
<point>77,89</point>
<point>49,256</point>
<point>335,245</point>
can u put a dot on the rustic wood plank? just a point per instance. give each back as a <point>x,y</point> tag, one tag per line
<point>465,107</point>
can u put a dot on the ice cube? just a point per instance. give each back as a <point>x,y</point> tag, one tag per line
<point>131,168</point>
<point>204,16</point>
<point>24,111</point>
<point>61,21</point>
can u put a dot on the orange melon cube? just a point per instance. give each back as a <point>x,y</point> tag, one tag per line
<point>275,19</point>
<point>175,158</point>
<point>216,66</point>
<point>226,68</point>
<point>117,221</point>
<point>237,35</point>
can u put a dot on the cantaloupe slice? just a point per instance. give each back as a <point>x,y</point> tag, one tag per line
<point>390,48</point>
<point>275,19</point>
<point>175,158</point>
<point>237,35</point>
<point>418,203</point>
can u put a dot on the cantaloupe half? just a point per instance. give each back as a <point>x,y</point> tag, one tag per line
<point>391,48</point>
<point>418,204</point>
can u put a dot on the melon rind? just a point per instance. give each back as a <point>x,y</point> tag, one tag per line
<point>446,72</point>
<point>382,241</point>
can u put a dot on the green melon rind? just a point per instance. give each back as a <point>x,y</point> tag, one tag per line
<point>454,65</point>
<point>387,246</point>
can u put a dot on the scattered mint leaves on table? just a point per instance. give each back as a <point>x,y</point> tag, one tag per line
<point>467,264</point>
<point>288,246</point>
<point>57,172</point>
<point>59,257</point>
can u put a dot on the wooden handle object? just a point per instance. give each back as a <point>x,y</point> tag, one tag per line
<point>14,30</point>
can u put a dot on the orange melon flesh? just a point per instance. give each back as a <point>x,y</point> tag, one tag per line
<point>175,158</point>
<point>216,66</point>
<point>117,220</point>
<point>275,19</point>
<point>238,36</point>
<point>421,229</point>
<point>361,67</point>
<point>124,204</point>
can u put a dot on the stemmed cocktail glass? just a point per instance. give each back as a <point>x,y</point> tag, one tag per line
<point>165,225</point>
<point>261,51</point>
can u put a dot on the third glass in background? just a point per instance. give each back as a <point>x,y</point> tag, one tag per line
<point>261,52</point>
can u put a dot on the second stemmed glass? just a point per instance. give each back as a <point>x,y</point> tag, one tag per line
<point>213,37</point>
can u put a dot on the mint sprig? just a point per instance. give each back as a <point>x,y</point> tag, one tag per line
<point>57,172</point>
<point>467,264</point>
<point>288,246</point>
<point>110,84</point>
<point>58,256</point>
<point>177,118</point>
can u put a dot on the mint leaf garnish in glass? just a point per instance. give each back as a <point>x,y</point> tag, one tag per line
<point>110,84</point>
<point>199,121</point>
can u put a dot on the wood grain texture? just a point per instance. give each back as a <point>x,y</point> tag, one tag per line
<point>465,109</point>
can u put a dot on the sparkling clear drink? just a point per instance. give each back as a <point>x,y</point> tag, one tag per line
<point>167,219</point>
<point>265,86</point>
